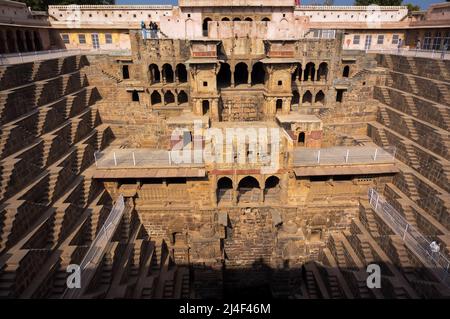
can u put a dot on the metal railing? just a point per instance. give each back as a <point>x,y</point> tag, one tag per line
<point>432,54</point>
<point>141,157</point>
<point>129,158</point>
<point>413,239</point>
<point>95,253</point>
<point>343,155</point>
<point>24,57</point>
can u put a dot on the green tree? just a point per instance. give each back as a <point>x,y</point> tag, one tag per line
<point>412,7</point>
<point>378,2</point>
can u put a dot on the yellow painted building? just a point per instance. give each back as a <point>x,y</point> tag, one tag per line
<point>105,39</point>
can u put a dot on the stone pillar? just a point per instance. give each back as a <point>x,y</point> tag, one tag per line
<point>232,78</point>
<point>261,195</point>
<point>197,106</point>
<point>286,105</point>
<point>249,79</point>
<point>163,100</point>
<point>16,43</point>
<point>284,188</point>
<point>214,109</point>
<point>176,98</point>
<point>33,47</point>
<point>162,77</point>
<point>235,190</point>
<point>214,190</point>
<point>3,42</point>
<point>25,42</point>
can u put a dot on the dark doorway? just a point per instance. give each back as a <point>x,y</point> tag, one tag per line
<point>205,26</point>
<point>205,107</point>
<point>224,75</point>
<point>310,70</point>
<point>167,73</point>
<point>182,97</point>
<point>154,74</point>
<point>295,98</point>
<point>346,71</point>
<point>155,98</point>
<point>169,98</point>
<point>258,73</point>
<point>125,72</point>
<point>181,73</point>
<point>279,105</point>
<point>320,98</point>
<point>322,73</point>
<point>307,98</point>
<point>301,139</point>
<point>241,73</point>
<point>135,96</point>
<point>339,96</point>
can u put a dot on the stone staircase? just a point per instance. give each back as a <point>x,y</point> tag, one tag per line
<point>411,186</point>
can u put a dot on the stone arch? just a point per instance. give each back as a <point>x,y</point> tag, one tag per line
<point>272,182</point>
<point>301,139</point>
<point>307,98</point>
<point>240,73</point>
<point>346,71</point>
<point>154,75</point>
<point>265,19</point>
<point>181,72</point>
<point>205,26</point>
<point>236,19</point>
<point>297,74</point>
<point>310,70</point>
<point>320,98</point>
<point>225,183</point>
<point>248,182</point>
<point>225,19</point>
<point>155,98</point>
<point>182,97</point>
<point>248,19</point>
<point>224,189</point>
<point>169,98</point>
<point>249,190</point>
<point>322,73</point>
<point>258,73</point>
<point>224,75</point>
<point>167,73</point>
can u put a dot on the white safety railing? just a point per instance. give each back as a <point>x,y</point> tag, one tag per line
<point>95,253</point>
<point>413,239</point>
<point>129,158</point>
<point>343,155</point>
<point>141,157</point>
<point>24,57</point>
<point>432,54</point>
